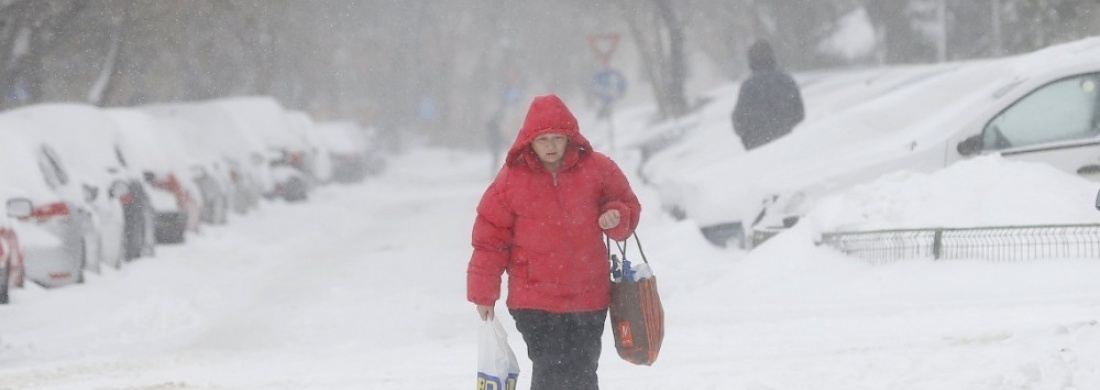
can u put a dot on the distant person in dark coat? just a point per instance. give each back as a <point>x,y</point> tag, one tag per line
<point>769,104</point>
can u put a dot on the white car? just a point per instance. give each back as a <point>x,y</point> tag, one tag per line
<point>163,164</point>
<point>346,148</point>
<point>1041,106</point>
<point>242,152</point>
<point>86,139</point>
<point>206,168</point>
<point>316,163</point>
<point>56,229</point>
<point>12,270</point>
<point>264,119</point>
<point>705,138</point>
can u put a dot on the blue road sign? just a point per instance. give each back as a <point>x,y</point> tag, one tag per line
<point>512,95</point>
<point>609,85</point>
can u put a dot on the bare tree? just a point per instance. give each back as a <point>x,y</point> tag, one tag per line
<point>723,30</point>
<point>29,29</point>
<point>900,41</point>
<point>388,62</point>
<point>114,61</point>
<point>658,33</point>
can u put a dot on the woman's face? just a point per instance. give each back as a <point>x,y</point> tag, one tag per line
<point>550,148</point>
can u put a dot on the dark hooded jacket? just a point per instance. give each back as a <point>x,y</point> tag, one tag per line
<point>769,104</point>
<point>545,232</point>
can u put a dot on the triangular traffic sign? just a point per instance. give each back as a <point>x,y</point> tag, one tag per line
<point>604,45</point>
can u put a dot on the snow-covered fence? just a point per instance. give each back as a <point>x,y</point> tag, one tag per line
<point>991,243</point>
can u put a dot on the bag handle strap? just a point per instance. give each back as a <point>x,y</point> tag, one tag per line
<point>622,247</point>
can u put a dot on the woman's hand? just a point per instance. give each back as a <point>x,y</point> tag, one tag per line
<point>486,312</point>
<point>609,219</point>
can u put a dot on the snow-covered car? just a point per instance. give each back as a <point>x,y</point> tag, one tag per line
<point>706,138</point>
<point>1039,107</point>
<point>87,139</point>
<point>263,118</point>
<point>347,150</point>
<point>11,253</point>
<point>317,163</point>
<point>242,153</point>
<point>163,165</point>
<point>695,154</point>
<point>373,154</point>
<point>213,180</point>
<point>218,144</point>
<point>206,168</point>
<point>51,215</point>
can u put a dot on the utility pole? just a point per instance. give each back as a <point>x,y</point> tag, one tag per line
<point>608,84</point>
<point>998,42</point>
<point>941,42</point>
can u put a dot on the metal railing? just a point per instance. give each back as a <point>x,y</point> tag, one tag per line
<point>1006,243</point>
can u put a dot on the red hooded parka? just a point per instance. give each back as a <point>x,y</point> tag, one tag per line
<point>545,232</point>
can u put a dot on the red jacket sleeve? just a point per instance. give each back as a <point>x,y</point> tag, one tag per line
<point>617,195</point>
<point>492,241</point>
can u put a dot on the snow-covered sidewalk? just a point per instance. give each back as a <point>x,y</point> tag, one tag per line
<point>364,288</point>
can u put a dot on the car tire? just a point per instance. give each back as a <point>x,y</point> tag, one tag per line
<point>174,236</point>
<point>296,190</point>
<point>133,251</point>
<point>4,284</point>
<point>172,228</point>
<point>131,244</point>
<point>83,261</point>
<point>149,235</point>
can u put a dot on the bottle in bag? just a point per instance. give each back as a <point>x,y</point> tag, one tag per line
<point>628,273</point>
<point>616,269</point>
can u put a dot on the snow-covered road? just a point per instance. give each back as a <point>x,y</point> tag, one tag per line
<point>364,288</point>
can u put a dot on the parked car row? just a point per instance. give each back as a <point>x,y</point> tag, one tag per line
<point>347,162</point>
<point>86,187</point>
<point>1042,107</point>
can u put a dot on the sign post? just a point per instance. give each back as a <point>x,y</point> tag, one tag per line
<point>608,84</point>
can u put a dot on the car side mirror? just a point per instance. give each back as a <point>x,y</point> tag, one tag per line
<point>119,189</point>
<point>20,208</point>
<point>90,193</point>
<point>970,146</point>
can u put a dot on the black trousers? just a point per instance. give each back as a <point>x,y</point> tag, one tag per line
<point>564,348</point>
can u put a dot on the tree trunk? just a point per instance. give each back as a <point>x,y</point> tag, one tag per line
<point>674,88</point>
<point>997,42</point>
<point>37,26</point>
<point>662,52</point>
<point>108,79</point>
<point>941,34</point>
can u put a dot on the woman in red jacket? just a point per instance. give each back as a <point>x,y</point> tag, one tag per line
<point>542,220</point>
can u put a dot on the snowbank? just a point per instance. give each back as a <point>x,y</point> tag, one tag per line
<point>985,191</point>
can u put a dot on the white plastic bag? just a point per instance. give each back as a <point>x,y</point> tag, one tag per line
<point>497,367</point>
